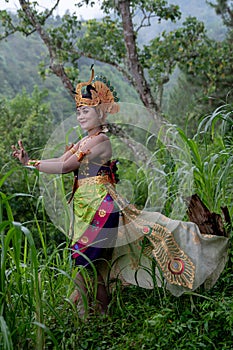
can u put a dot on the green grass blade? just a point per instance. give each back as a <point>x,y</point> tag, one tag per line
<point>6,335</point>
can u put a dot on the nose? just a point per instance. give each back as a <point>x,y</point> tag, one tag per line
<point>79,115</point>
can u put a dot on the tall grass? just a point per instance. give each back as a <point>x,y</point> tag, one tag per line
<point>202,164</point>
<point>212,158</point>
<point>32,280</point>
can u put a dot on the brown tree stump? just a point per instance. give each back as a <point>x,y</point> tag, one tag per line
<point>208,222</point>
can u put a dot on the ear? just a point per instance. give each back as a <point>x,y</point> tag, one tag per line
<point>102,115</point>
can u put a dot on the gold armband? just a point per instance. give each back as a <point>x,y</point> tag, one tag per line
<point>80,155</point>
<point>72,150</point>
<point>33,162</point>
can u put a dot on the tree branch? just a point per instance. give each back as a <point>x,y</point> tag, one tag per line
<point>52,9</point>
<point>146,17</point>
<point>56,67</point>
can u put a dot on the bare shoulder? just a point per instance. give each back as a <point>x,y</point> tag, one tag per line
<point>101,138</point>
<point>100,147</point>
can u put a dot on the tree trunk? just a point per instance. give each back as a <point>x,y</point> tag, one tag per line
<point>134,65</point>
<point>208,223</point>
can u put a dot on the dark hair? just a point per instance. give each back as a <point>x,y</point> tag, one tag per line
<point>88,92</point>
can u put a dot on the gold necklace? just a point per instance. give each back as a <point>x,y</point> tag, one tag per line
<point>79,153</point>
<point>84,141</point>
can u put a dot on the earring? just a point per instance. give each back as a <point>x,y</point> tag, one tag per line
<point>104,128</point>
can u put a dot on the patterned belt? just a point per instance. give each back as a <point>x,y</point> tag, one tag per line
<point>100,180</point>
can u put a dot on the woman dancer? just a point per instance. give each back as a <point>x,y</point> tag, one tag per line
<point>184,257</point>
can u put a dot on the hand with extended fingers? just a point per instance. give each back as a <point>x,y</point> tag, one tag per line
<point>20,153</point>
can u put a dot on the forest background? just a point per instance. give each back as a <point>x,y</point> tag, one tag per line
<point>184,76</point>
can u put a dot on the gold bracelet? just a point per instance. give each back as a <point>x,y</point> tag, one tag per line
<point>33,162</point>
<point>80,155</point>
<point>72,150</point>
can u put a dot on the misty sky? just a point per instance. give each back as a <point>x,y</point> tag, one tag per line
<point>84,12</point>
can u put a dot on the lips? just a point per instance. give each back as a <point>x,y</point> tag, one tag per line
<point>82,121</point>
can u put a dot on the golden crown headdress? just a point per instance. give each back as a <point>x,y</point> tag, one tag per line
<point>99,93</point>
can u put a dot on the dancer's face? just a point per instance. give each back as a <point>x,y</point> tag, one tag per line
<point>88,118</point>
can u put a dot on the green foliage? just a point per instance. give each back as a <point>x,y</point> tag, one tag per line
<point>36,311</point>
<point>22,284</point>
<point>224,8</point>
<point>158,8</point>
<point>22,23</point>
<point>180,104</point>
<point>19,60</point>
<point>63,37</point>
<point>133,182</point>
<point>198,8</point>
<point>214,162</point>
<point>171,48</point>
<point>28,118</point>
<point>182,165</point>
<point>25,117</point>
<point>154,8</point>
<point>207,63</point>
<point>9,24</point>
<point>104,40</point>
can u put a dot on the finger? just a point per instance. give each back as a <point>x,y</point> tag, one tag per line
<point>14,148</point>
<point>22,153</point>
<point>15,154</point>
<point>20,143</point>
